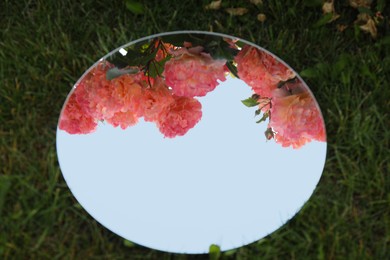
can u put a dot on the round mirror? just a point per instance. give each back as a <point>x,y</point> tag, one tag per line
<point>183,140</point>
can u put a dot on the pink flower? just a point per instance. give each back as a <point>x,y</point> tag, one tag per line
<point>261,71</point>
<point>74,118</point>
<point>155,100</point>
<point>99,92</point>
<point>179,117</point>
<point>295,118</point>
<point>191,72</point>
<point>104,98</point>
<point>127,92</point>
<point>118,101</point>
<point>123,119</point>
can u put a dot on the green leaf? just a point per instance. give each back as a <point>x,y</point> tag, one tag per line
<point>323,20</point>
<point>214,252</point>
<point>115,72</point>
<point>140,47</point>
<point>263,118</point>
<point>157,68</point>
<point>144,47</point>
<point>143,60</point>
<point>250,102</point>
<point>134,6</point>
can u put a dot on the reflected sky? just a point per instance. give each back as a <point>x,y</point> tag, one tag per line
<point>221,183</point>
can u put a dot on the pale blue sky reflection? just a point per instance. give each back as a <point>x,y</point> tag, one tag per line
<point>222,183</point>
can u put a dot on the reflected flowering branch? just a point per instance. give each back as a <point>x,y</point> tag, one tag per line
<point>294,118</point>
<point>159,81</point>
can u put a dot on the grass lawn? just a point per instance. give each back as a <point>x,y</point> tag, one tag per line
<point>45,46</point>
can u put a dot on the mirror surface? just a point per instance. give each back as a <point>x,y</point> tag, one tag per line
<point>183,140</point>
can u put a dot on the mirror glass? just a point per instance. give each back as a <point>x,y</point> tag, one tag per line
<point>183,140</point>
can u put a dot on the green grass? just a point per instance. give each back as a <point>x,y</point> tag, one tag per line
<point>45,46</point>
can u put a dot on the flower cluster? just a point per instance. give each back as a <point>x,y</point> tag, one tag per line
<point>168,100</point>
<point>192,72</point>
<point>75,119</point>
<point>159,83</point>
<point>182,114</point>
<point>260,70</point>
<point>294,118</point>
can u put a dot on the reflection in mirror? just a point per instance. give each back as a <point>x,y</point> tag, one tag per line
<point>175,121</point>
<point>158,81</point>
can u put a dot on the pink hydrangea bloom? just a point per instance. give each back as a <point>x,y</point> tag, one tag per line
<point>154,100</point>
<point>74,118</point>
<point>107,97</point>
<point>99,93</point>
<point>127,92</point>
<point>191,72</point>
<point>179,117</point>
<point>295,118</point>
<point>123,119</point>
<point>118,101</point>
<point>261,71</point>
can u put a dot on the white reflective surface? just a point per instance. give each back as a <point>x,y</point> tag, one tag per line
<point>221,183</point>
